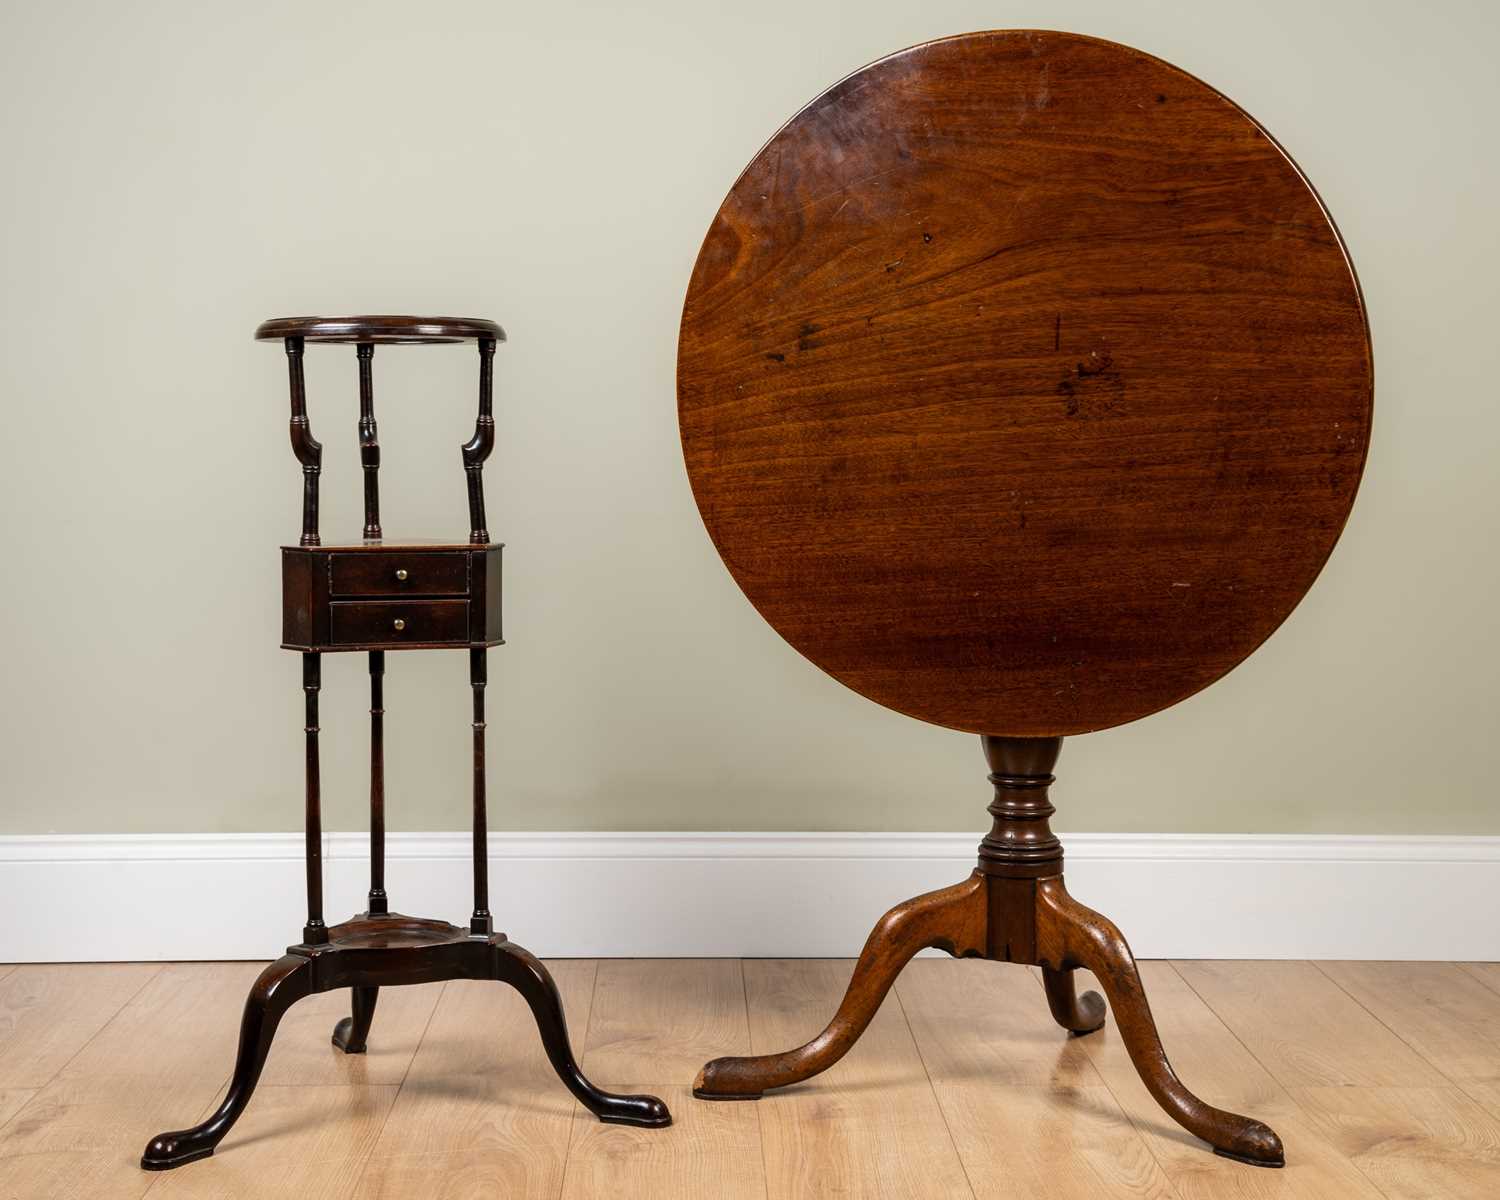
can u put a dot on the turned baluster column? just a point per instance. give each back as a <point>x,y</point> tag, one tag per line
<point>369,447</point>
<point>478,447</point>
<point>308,449</point>
<point>314,933</point>
<point>1020,847</point>
<point>481,922</point>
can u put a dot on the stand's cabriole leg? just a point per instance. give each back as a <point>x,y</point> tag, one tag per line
<point>478,447</point>
<point>314,933</point>
<point>527,975</point>
<point>379,903</point>
<point>953,919</point>
<point>481,922</point>
<point>280,985</point>
<point>309,450</point>
<point>350,1034</point>
<point>1070,935</point>
<point>369,446</point>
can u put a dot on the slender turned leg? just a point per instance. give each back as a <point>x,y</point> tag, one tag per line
<point>528,976</point>
<point>280,986</point>
<point>349,1034</point>
<point>1077,1014</point>
<point>481,922</point>
<point>378,900</point>
<point>953,919</point>
<point>314,933</point>
<point>1070,935</point>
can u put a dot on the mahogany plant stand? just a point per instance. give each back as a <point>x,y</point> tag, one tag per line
<point>1014,908</point>
<point>375,596</point>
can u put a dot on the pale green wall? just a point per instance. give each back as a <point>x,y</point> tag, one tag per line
<point>176,172</point>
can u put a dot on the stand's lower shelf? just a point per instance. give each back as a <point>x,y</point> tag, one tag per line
<point>388,931</point>
<point>375,950</point>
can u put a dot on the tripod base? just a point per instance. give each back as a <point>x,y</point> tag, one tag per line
<point>378,950</point>
<point>1013,908</point>
<point>1035,923</point>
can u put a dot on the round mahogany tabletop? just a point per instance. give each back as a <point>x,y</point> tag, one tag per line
<point>1024,383</point>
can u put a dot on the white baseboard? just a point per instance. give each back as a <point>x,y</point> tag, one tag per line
<point>194,896</point>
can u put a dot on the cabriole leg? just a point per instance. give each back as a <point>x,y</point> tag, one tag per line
<point>1077,1014</point>
<point>527,975</point>
<point>1070,935</point>
<point>953,919</point>
<point>350,1034</point>
<point>280,986</point>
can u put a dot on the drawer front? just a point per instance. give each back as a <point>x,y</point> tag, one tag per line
<point>393,623</point>
<point>387,573</point>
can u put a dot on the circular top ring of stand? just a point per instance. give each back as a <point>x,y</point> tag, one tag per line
<point>380,330</point>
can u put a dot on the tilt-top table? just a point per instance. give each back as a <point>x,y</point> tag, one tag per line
<point>375,596</point>
<point>1024,386</point>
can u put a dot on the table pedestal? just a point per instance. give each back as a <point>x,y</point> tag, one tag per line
<point>1013,908</point>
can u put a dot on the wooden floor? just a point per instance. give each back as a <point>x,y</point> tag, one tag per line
<point>1382,1078</point>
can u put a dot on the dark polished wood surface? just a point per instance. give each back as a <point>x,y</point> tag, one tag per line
<point>1024,383</point>
<point>376,595</point>
<point>382,330</point>
<point>364,954</point>
<point>390,596</point>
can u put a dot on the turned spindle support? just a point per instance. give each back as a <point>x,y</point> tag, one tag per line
<point>379,903</point>
<point>315,932</point>
<point>481,922</point>
<point>478,447</point>
<point>308,449</point>
<point>369,445</point>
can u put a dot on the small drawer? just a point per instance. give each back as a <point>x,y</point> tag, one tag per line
<point>398,622</point>
<point>387,573</point>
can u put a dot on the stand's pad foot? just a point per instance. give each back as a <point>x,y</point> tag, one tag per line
<point>176,1149</point>
<point>343,1037</point>
<point>646,1112</point>
<point>351,1034</point>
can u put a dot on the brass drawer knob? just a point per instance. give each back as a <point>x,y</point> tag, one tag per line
<point>401,574</point>
<point>399,624</point>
